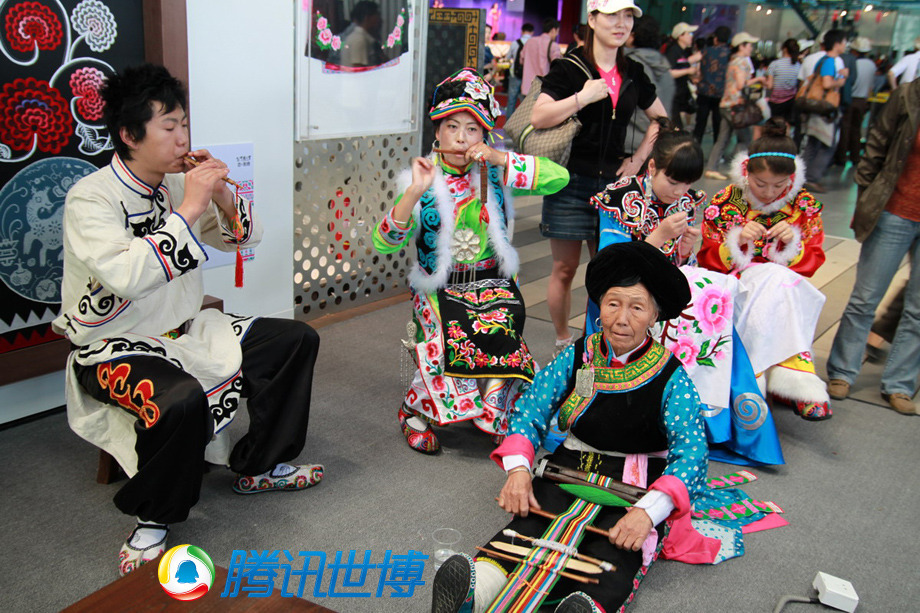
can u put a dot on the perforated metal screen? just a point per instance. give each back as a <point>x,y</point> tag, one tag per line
<point>341,189</point>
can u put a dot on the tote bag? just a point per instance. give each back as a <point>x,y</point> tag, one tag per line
<point>554,143</point>
<point>812,97</point>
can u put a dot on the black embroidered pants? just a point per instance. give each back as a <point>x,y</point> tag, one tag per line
<point>174,424</point>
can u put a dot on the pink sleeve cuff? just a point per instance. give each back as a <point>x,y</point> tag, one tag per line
<point>514,444</point>
<point>684,543</point>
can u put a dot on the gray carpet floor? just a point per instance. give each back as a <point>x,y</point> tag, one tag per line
<point>846,489</point>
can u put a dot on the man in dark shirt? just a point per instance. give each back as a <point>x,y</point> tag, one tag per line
<point>682,66</point>
<point>713,66</point>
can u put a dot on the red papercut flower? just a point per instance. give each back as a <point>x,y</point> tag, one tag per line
<point>85,84</point>
<point>31,24</point>
<point>32,109</point>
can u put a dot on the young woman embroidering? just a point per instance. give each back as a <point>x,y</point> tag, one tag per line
<point>766,229</point>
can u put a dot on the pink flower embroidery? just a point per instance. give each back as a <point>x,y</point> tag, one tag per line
<point>685,350</point>
<point>390,41</point>
<point>455,332</point>
<point>336,43</point>
<point>466,405</point>
<point>432,351</point>
<point>711,310</point>
<point>459,185</point>
<point>683,327</point>
<point>490,316</point>
<point>400,21</point>
<point>321,24</point>
<point>520,180</point>
<point>437,382</point>
<point>325,36</point>
<point>711,212</point>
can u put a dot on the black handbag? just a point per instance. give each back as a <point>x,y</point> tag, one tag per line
<point>746,113</point>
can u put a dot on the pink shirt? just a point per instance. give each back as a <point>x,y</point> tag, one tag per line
<point>613,83</point>
<point>535,60</point>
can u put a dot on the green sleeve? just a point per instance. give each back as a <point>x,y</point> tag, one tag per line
<point>389,237</point>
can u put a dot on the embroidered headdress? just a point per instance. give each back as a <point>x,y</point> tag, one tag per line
<point>465,90</point>
<point>625,264</point>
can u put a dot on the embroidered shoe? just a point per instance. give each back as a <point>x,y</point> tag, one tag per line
<point>423,441</point>
<point>902,403</point>
<point>813,411</point>
<point>280,480</point>
<point>577,602</point>
<point>454,585</point>
<point>130,558</point>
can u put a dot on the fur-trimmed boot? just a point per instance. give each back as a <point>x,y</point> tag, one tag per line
<point>795,383</point>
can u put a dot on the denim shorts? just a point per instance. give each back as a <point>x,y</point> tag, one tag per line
<point>568,214</point>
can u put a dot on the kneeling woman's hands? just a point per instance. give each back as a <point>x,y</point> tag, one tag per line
<point>517,494</point>
<point>632,529</point>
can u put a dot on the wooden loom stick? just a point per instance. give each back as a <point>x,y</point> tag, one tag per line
<point>580,556</point>
<point>581,566</point>
<point>632,491</point>
<point>561,573</point>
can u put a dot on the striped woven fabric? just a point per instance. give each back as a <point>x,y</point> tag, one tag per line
<point>531,581</point>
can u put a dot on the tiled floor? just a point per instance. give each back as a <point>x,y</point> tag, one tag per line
<point>835,278</point>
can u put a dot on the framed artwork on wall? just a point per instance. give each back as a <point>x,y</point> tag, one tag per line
<point>358,67</point>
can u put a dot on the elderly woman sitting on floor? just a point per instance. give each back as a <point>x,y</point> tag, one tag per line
<point>631,414</point>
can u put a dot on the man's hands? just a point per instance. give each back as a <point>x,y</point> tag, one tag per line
<point>203,183</point>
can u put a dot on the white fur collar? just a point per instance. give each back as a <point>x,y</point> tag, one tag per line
<point>499,234</point>
<point>738,176</point>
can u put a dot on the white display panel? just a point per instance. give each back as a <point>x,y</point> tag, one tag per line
<point>354,80</point>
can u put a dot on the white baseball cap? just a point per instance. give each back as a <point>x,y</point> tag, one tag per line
<point>682,28</point>
<point>743,37</point>
<point>613,6</point>
<point>861,44</point>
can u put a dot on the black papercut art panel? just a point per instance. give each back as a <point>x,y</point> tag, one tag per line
<point>56,55</point>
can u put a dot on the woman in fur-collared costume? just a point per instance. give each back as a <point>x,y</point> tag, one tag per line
<point>468,311</point>
<point>767,229</point>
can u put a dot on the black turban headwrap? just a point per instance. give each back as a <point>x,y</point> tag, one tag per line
<point>625,264</point>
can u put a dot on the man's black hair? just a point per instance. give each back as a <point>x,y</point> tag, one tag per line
<point>527,27</point>
<point>129,99</point>
<point>549,24</point>
<point>832,37</point>
<point>722,34</point>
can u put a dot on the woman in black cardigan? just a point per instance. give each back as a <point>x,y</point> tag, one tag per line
<point>603,150</point>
